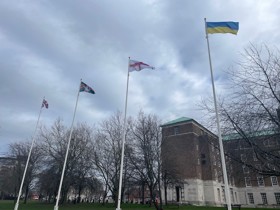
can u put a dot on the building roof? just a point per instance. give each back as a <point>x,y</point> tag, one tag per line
<point>187,120</point>
<point>179,120</point>
<point>234,136</point>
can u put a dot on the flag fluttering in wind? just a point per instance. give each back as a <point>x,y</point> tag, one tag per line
<point>222,27</point>
<point>138,66</point>
<point>212,28</point>
<point>85,88</point>
<point>132,66</point>
<point>45,104</point>
<point>82,88</point>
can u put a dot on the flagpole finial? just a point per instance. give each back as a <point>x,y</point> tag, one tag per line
<point>205,22</point>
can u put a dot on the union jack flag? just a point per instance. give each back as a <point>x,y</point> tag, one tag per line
<point>85,88</point>
<point>45,104</point>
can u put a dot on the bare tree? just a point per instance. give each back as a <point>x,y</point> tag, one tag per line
<point>250,109</point>
<point>93,188</point>
<point>54,143</point>
<point>146,155</point>
<point>78,167</point>
<point>19,151</point>
<point>107,153</point>
<point>82,153</point>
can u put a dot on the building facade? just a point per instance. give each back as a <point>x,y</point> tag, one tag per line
<point>254,168</point>
<point>192,164</point>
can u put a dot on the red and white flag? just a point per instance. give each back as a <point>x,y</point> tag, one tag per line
<point>138,66</point>
<point>45,104</point>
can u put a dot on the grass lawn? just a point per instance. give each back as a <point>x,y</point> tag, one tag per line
<point>9,205</point>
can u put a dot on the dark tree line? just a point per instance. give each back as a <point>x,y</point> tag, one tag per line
<point>93,164</point>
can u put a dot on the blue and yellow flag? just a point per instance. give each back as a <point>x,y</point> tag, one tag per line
<point>222,27</point>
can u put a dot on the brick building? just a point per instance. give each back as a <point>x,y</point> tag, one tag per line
<point>253,169</point>
<point>191,158</point>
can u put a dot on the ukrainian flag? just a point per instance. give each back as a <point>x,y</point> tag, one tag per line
<point>222,27</point>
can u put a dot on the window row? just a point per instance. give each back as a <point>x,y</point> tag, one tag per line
<point>271,142</point>
<point>233,195</point>
<point>269,166</point>
<point>260,181</point>
<point>264,198</point>
<point>249,157</point>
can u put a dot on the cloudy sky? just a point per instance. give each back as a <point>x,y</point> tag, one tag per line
<point>47,46</point>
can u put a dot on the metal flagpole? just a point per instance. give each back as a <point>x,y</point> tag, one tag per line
<point>123,142</point>
<point>67,151</point>
<point>28,158</point>
<point>228,199</point>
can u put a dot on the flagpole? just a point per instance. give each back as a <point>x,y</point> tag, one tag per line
<point>123,142</point>
<point>67,151</point>
<point>28,158</point>
<point>227,191</point>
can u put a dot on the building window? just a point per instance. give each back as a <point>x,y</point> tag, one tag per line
<point>264,198</point>
<point>260,181</point>
<point>245,145</point>
<point>270,166</point>
<point>274,180</point>
<point>216,174</point>
<point>243,157</point>
<point>218,152</point>
<point>232,181</point>
<point>219,194</point>
<point>255,157</point>
<point>270,142</point>
<point>258,166</point>
<point>223,194</point>
<point>248,182</point>
<point>203,159</point>
<point>201,132</point>
<point>220,176</point>
<point>176,130</point>
<point>266,143</point>
<point>251,198</point>
<point>245,169</point>
<point>231,195</point>
<point>214,160</point>
<point>277,198</point>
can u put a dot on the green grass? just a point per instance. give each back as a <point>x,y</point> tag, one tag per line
<point>9,205</point>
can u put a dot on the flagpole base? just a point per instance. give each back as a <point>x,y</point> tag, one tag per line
<point>16,206</point>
